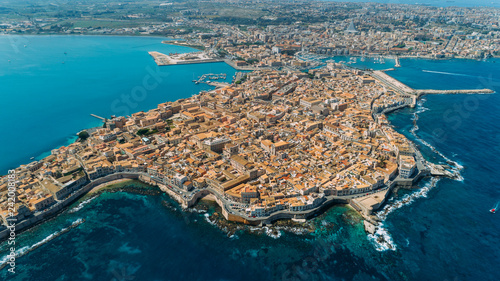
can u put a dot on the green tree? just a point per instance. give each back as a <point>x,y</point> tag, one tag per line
<point>83,135</point>
<point>141,132</point>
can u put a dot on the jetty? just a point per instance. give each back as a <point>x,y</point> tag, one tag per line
<point>403,89</point>
<point>470,91</point>
<point>98,117</point>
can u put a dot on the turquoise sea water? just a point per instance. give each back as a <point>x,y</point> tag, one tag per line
<point>447,234</point>
<point>49,86</point>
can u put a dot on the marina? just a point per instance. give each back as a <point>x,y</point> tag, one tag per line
<point>209,77</point>
<point>314,60</point>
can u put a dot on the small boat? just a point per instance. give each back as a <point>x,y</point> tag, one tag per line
<point>493,211</point>
<point>32,158</point>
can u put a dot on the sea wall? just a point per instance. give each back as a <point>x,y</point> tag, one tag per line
<point>174,195</point>
<point>189,202</point>
<point>59,206</point>
<point>444,92</point>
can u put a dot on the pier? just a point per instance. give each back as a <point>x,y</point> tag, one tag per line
<point>98,117</point>
<point>470,91</point>
<point>398,64</point>
<point>403,89</point>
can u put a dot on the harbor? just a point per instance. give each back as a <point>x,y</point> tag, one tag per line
<point>211,79</point>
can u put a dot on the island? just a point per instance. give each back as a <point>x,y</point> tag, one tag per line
<point>280,145</point>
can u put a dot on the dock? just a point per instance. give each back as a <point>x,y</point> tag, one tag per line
<point>209,77</point>
<point>398,64</point>
<point>205,78</point>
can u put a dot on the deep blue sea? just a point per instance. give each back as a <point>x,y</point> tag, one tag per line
<point>49,86</point>
<point>446,233</point>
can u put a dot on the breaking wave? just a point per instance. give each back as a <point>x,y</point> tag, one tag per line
<point>272,232</point>
<point>382,238</point>
<point>454,166</point>
<point>82,204</point>
<point>25,250</point>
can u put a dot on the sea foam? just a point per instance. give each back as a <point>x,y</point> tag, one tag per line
<point>24,250</point>
<point>82,204</point>
<point>382,238</point>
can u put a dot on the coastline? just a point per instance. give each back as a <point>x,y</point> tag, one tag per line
<point>68,137</point>
<point>166,39</point>
<point>103,185</point>
<point>290,161</point>
<point>177,43</point>
<point>61,206</point>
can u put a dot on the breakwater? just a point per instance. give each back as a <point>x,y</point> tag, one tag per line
<point>470,91</point>
<point>189,199</point>
<point>404,89</point>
